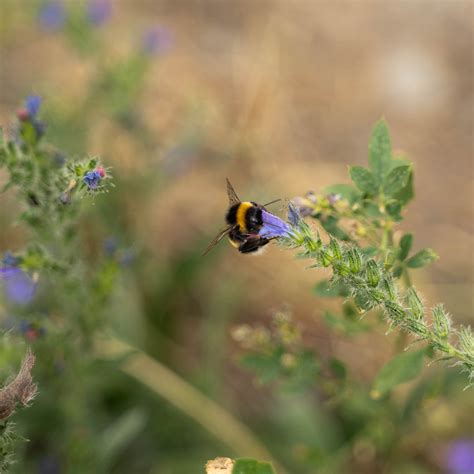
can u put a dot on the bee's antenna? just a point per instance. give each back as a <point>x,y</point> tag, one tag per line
<point>272,202</point>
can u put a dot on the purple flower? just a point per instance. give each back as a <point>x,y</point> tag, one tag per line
<point>110,246</point>
<point>157,40</point>
<point>32,105</point>
<point>273,226</point>
<point>9,260</point>
<point>333,198</point>
<point>52,15</point>
<point>303,205</point>
<point>99,11</point>
<point>92,179</point>
<point>294,216</point>
<point>19,287</point>
<point>460,457</point>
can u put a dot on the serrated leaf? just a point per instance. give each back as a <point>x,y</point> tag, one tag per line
<point>402,368</point>
<point>396,180</point>
<point>422,258</point>
<point>327,289</point>
<point>347,191</point>
<point>380,151</point>
<point>405,246</point>
<point>364,180</point>
<point>251,466</point>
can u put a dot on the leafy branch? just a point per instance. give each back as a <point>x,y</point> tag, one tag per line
<point>373,286</point>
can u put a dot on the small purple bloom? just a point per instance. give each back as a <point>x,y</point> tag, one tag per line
<point>333,198</point>
<point>52,15</point>
<point>92,179</point>
<point>273,226</point>
<point>128,257</point>
<point>460,457</point>
<point>303,205</point>
<point>19,286</point>
<point>110,246</point>
<point>157,40</point>
<point>33,104</point>
<point>9,260</point>
<point>294,216</point>
<point>99,11</point>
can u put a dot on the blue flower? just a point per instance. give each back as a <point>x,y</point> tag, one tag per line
<point>19,287</point>
<point>460,457</point>
<point>294,216</point>
<point>99,11</point>
<point>52,15</point>
<point>92,179</point>
<point>9,260</point>
<point>110,246</point>
<point>157,40</point>
<point>273,226</point>
<point>33,104</point>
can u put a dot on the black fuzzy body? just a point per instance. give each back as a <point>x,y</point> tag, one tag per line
<point>244,235</point>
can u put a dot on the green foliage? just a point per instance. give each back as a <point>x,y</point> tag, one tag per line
<point>364,180</point>
<point>402,368</point>
<point>422,258</point>
<point>380,151</point>
<point>251,466</point>
<point>369,272</point>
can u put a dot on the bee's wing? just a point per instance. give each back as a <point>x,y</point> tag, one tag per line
<point>218,238</point>
<point>233,198</point>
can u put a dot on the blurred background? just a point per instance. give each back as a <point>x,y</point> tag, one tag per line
<point>280,97</point>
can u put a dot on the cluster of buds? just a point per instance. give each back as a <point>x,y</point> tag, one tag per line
<point>93,178</point>
<point>31,129</point>
<point>312,204</point>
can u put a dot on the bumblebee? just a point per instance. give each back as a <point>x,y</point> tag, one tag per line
<point>244,220</point>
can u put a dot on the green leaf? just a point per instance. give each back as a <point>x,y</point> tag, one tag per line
<point>393,210</point>
<point>407,193</point>
<point>402,368</point>
<point>347,191</point>
<point>405,246</point>
<point>396,180</point>
<point>251,466</point>
<point>422,258</point>
<point>338,368</point>
<point>266,366</point>
<point>380,151</point>
<point>364,180</point>
<point>327,289</point>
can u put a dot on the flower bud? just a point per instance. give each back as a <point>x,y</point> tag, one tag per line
<point>389,287</point>
<point>441,321</point>
<point>395,311</point>
<point>355,260</point>
<point>335,249</point>
<point>326,258</point>
<point>414,303</point>
<point>373,273</point>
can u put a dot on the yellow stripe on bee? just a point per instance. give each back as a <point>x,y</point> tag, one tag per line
<point>241,213</point>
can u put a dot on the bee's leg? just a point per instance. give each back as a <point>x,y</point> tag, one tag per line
<point>252,245</point>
